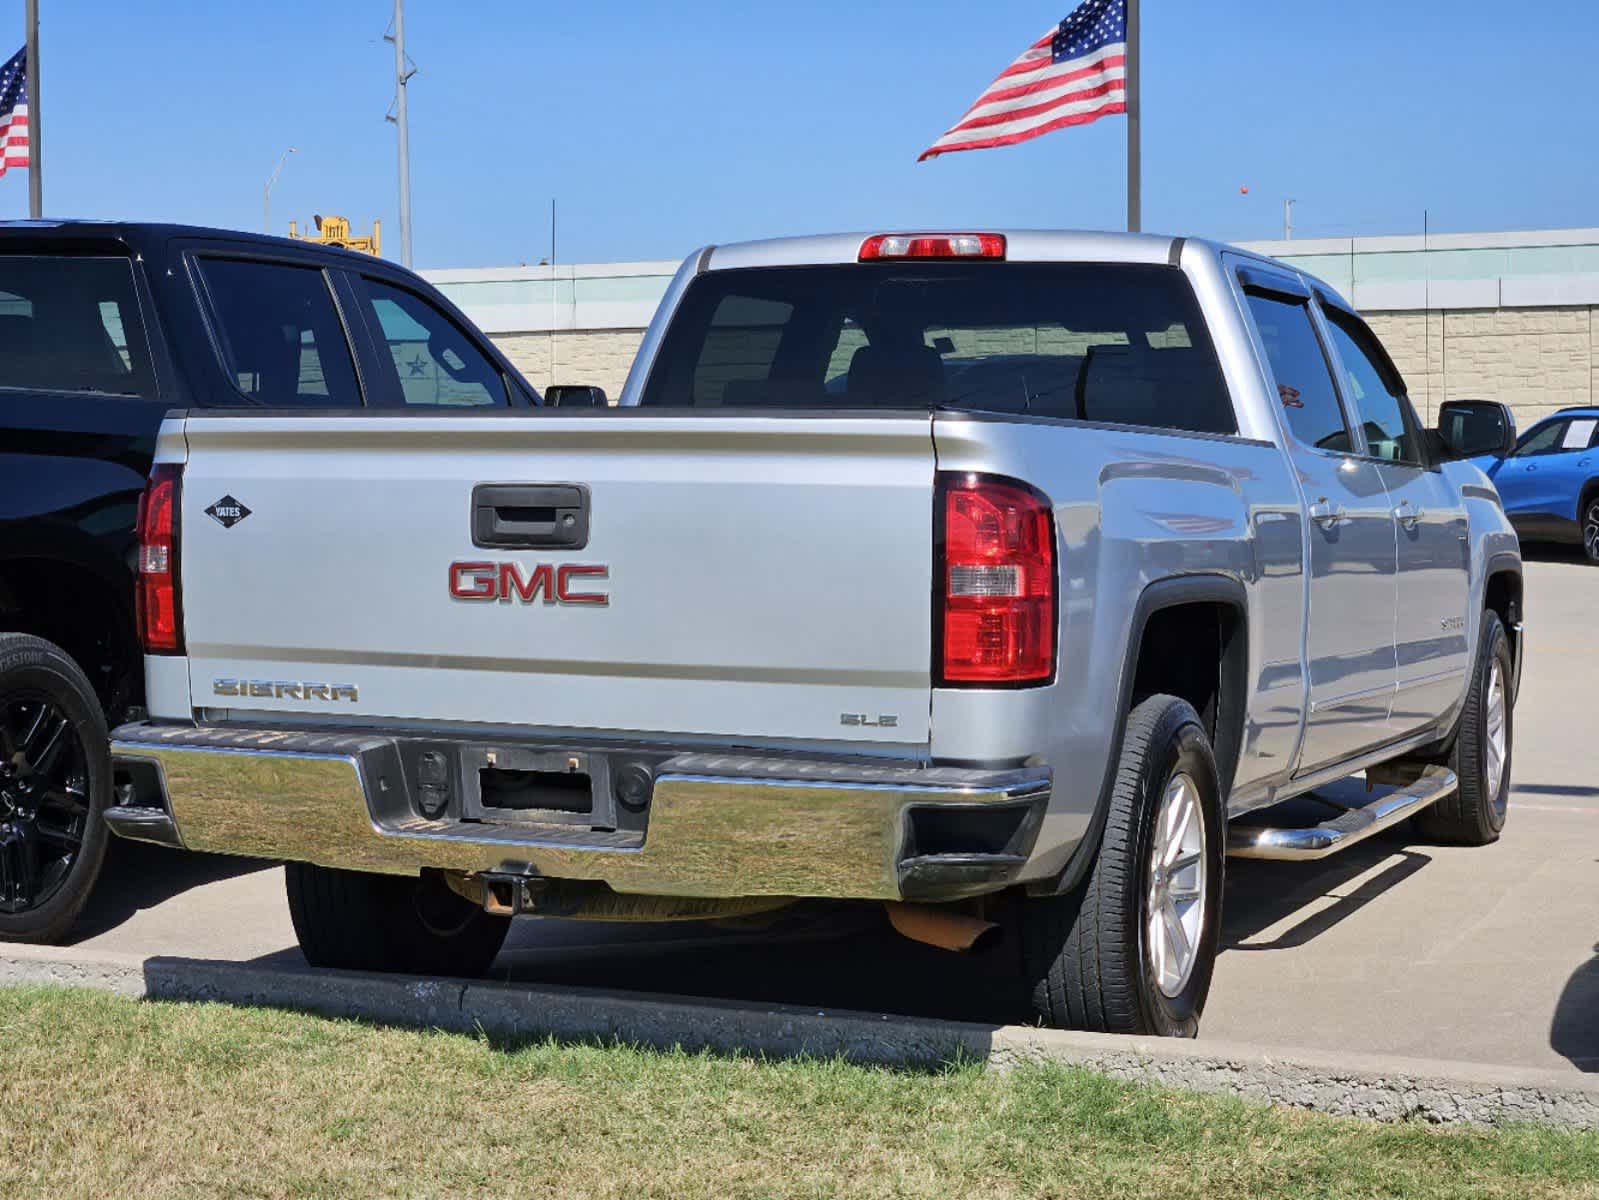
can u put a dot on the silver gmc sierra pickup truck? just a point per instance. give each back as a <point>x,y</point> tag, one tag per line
<point>1006,578</point>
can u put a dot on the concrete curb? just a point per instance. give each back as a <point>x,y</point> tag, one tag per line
<point>1372,1086</point>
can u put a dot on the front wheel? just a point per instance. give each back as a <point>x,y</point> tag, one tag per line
<point>1132,950</point>
<point>412,924</point>
<point>1480,757</point>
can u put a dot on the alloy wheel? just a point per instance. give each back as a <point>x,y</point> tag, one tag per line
<point>1174,913</point>
<point>1590,532</point>
<point>1496,741</point>
<point>44,800</point>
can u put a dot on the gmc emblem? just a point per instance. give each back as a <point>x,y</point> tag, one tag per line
<point>505,582</point>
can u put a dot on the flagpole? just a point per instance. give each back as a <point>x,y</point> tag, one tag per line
<point>35,153</point>
<point>1135,168</point>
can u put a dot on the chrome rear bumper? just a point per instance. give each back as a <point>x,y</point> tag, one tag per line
<point>717,826</point>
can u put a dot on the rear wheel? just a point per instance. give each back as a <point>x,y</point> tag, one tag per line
<point>1480,756</point>
<point>413,924</point>
<point>55,782</point>
<point>1590,528</point>
<point>1132,950</point>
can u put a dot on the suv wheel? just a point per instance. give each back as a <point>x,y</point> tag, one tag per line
<point>1480,756</point>
<point>1132,950</point>
<point>1590,529</point>
<point>55,782</point>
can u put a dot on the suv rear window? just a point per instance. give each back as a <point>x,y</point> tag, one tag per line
<point>72,325</point>
<point>1098,342</point>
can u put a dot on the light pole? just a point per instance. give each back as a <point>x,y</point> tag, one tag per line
<point>403,70</point>
<point>266,193</point>
<point>1288,220</point>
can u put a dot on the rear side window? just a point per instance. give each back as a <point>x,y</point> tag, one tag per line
<point>283,345</point>
<point>1304,379</point>
<point>1116,343</point>
<point>72,325</point>
<point>434,359</point>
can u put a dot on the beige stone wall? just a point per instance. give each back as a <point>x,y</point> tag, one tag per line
<point>593,356</point>
<point>1535,359</point>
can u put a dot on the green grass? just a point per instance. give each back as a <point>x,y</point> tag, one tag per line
<point>106,1097</point>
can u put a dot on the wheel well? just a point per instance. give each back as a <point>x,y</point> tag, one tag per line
<point>1503,596</point>
<point>83,614</point>
<point>1197,651</point>
<point>1589,491</point>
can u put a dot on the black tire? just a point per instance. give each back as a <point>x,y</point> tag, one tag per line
<point>1589,522</point>
<point>1475,813</point>
<point>1084,958</point>
<point>54,788</point>
<point>362,922</point>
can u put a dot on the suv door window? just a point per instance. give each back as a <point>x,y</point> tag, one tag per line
<point>283,345</point>
<point>1546,439</point>
<point>72,325</point>
<point>1376,391</point>
<point>1580,434</point>
<point>1299,366</point>
<point>436,362</point>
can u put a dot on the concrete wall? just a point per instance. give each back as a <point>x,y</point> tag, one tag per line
<point>1535,359</point>
<point>594,356</point>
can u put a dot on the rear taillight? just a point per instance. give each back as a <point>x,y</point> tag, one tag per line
<point>996,583</point>
<point>156,591</point>
<point>894,246</point>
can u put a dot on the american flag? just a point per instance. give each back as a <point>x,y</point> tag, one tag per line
<point>1074,74</point>
<point>14,112</point>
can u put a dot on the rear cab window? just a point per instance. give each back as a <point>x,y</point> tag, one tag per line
<point>283,344</point>
<point>1112,343</point>
<point>71,324</point>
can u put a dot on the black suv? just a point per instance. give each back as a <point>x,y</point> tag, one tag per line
<point>103,327</point>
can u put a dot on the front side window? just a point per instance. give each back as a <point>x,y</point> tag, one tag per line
<point>437,364</point>
<point>1546,439</point>
<point>1376,391</point>
<point>1117,343</point>
<point>72,325</point>
<point>282,342</point>
<point>1304,380</point>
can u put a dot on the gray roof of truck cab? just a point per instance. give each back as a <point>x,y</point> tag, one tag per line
<point>1021,245</point>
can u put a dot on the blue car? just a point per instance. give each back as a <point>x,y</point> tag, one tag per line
<point>1550,482</point>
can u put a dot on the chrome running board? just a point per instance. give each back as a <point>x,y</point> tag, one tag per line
<point>1347,828</point>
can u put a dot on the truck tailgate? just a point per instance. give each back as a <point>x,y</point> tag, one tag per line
<point>763,577</point>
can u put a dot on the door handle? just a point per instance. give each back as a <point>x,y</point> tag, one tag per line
<point>1325,514</point>
<point>1407,514</point>
<point>530,516</point>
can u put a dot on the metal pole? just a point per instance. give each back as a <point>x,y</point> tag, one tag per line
<point>35,141</point>
<point>1135,181</point>
<point>1288,220</point>
<point>401,75</point>
<point>266,192</point>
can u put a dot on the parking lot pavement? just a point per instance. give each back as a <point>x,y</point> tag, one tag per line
<point>1482,955</point>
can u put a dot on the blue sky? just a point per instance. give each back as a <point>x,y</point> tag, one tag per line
<point>659,127</point>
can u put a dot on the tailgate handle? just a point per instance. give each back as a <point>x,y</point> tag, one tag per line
<point>545,515</point>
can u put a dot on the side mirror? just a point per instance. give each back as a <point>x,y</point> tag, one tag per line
<point>1469,428</point>
<point>574,395</point>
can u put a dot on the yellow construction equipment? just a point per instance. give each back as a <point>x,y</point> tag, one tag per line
<point>335,231</point>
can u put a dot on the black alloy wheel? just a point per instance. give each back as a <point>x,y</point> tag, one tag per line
<point>44,800</point>
<point>1590,531</point>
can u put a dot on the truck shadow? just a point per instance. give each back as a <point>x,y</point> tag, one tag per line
<point>139,876</point>
<point>1296,902</point>
<point>1574,1031</point>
